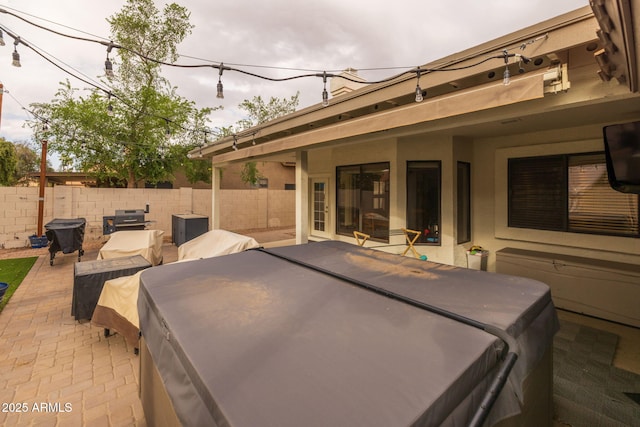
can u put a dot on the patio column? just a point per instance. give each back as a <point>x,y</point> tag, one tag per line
<point>302,198</point>
<point>215,198</point>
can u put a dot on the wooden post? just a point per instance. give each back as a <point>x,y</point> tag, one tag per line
<point>43,173</point>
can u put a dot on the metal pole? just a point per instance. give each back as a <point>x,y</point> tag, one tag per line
<point>43,173</point>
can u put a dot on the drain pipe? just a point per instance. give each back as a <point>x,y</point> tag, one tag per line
<point>510,352</point>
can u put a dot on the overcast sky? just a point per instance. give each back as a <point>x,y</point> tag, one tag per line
<point>309,35</point>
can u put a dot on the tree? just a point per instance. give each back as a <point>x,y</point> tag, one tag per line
<point>260,112</point>
<point>122,135</point>
<point>8,161</point>
<point>27,160</point>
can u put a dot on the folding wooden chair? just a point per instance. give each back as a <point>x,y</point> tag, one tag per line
<point>411,236</point>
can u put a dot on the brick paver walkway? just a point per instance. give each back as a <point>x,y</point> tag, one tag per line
<point>55,371</point>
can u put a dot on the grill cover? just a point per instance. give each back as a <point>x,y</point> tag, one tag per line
<point>250,339</point>
<point>65,235</point>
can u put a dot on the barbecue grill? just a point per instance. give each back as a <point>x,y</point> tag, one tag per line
<point>124,220</point>
<point>65,235</point>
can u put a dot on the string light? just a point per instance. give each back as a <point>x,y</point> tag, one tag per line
<point>109,106</point>
<point>16,55</point>
<point>108,68</point>
<point>220,93</point>
<point>419,97</point>
<point>325,94</point>
<point>506,78</point>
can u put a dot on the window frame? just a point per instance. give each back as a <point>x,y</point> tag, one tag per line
<point>564,160</point>
<point>463,207</point>
<point>383,198</point>
<point>422,239</point>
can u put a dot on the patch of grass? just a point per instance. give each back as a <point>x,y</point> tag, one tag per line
<point>13,271</point>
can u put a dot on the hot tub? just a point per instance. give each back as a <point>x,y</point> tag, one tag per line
<point>332,334</point>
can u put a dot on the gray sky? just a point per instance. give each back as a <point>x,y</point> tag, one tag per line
<point>309,35</point>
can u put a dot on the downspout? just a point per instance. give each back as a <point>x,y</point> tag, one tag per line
<point>510,351</point>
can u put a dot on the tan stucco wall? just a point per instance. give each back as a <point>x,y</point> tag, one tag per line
<point>488,159</point>
<point>489,172</point>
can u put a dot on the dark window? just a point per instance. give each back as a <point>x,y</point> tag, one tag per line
<point>569,193</point>
<point>423,200</point>
<point>289,186</point>
<point>464,202</point>
<point>363,200</point>
<point>538,193</point>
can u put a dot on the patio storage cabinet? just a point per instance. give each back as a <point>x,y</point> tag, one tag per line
<point>188,226</point>
<point>332,334</point>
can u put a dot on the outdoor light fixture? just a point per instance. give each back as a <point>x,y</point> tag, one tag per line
<point>506,77</point>
<point>108,67</point>
<point>419,97</point>
<point>16,58</point>
<point>220,93</point>
<point>1,38</point>
<point>109,106</point>
<point>235,143</point>
<point>325,94</point>
<point>16,55</point>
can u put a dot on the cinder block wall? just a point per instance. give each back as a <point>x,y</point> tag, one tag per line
<point>241,209</point>
<point>258,208</point>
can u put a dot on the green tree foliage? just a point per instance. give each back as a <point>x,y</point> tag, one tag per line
<point>8,161</point>
<point>130,144</point>
<point>28,161</point>
<point>259,111</point>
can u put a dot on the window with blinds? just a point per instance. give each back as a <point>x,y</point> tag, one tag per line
<point>569,193</point>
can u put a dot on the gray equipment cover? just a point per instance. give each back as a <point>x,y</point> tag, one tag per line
<point>250,339</point>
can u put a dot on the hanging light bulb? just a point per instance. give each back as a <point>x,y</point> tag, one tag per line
<point>506,79</point>
<point>220,93</point>
<point>419,97</point>
<point>108,67</point>
<point>109,106</point>
<point>16,55</point>
<point>325,94</point>
<point>1,38</point>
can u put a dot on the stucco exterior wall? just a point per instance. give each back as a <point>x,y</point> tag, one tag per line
<point>243,209</point>
<point>489,171</point>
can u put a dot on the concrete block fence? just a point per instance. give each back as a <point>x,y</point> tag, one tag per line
<point>240,209</point>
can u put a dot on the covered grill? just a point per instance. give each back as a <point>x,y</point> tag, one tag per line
<point>66,235</point>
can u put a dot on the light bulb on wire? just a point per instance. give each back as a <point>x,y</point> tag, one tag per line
<point>220,93</point>
<point>506,78</point>
<point>419,97</point>
<point>325,94</point>
<point>16,55</point>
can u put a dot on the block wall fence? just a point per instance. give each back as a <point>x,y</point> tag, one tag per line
<point>240,209</point>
